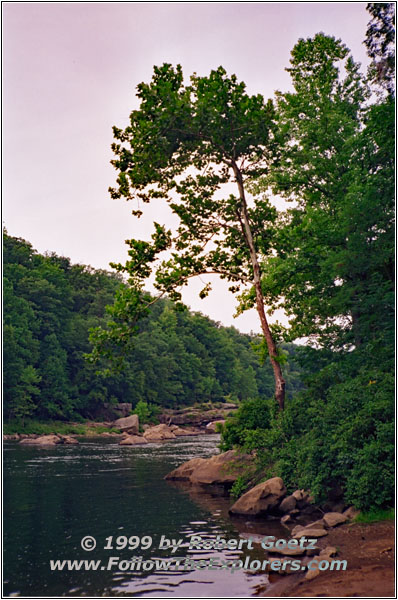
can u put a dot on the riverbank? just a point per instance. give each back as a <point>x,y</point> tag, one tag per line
<point>36,428</point>
<point>369,550</point>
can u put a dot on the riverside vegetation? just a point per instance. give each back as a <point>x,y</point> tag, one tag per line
<point>327,147</point>
<point>180,358</point>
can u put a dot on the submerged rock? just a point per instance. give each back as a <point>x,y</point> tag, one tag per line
<point>68,439</point>
<point>133,440</point>
<point>43,440</point>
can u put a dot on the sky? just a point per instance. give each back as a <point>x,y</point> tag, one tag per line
<point>69,74</point>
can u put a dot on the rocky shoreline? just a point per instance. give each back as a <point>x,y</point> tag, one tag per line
<point>184,422</point>
<point>127,431</point>
<point>268,500</point>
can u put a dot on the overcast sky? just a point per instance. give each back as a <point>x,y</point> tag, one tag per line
<point>69,73</point>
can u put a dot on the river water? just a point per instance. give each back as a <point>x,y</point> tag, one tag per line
<point>55,496</point>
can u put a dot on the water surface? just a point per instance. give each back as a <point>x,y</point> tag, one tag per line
<point>54,496</point>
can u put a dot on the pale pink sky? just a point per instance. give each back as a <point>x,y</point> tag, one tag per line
<point>69,74</point>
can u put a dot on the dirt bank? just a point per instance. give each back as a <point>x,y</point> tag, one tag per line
<point>369,552</point>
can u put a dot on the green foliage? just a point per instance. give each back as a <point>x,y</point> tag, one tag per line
<point>380,42</point>
<point>176,358</point>
<point>53,427</point>
<point>186,145</point>
<point>146,413</point>
<point>333,275</point>
<point>239,487</point>
<point>339,431</point>
<point>375,515</point>
<point>251,416</point>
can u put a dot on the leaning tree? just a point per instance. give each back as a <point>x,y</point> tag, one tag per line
<point>191,146</point>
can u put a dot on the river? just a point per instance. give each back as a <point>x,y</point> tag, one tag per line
<point>55,496</point>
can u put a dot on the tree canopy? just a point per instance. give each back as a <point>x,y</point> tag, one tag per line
<point>187,144</point>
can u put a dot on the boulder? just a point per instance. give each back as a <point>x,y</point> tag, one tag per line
<point>280,565</point>
<point>332,519</point>
<point>311,532</point>
<point>68,439</point>
<point>288,504</point>
<point>184,471</point>
<point>351,512</point>
<point>222,469</point>
<point>212,426</point>
<point>179,431</point>
<point>129,424</point>
<point>298,495</point>
<point>315,524</point>
<point>10,437</point>
<point>297,551</point>
<point>286,519</point>
<point>328,552</point>
<point>260,499</point>
<point>133,440</point>
<point>312,573</point>
<point>158,433</point>
<point>325,554</point>
<point>43,440</point>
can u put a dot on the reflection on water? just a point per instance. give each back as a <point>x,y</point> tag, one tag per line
<point>55,496</point>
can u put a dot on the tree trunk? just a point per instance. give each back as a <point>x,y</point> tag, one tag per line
<point>272,350</point>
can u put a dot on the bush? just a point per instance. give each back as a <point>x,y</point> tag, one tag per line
<point>337,433</point>
<point>252,416</point>
<point>146,413</point>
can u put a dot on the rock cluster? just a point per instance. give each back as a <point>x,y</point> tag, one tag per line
<point>48,440</point>
<point>196,416</point>
<point>158,433</point>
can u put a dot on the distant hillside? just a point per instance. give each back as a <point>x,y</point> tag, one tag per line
<point>179,358</point>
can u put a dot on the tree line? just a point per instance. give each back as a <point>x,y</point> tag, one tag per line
<point>178,358</point>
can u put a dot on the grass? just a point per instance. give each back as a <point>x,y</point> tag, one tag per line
<point>54,427</point>
<point>375,514</point>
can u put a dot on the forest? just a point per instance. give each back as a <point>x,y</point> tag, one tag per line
<point>178,359</point>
